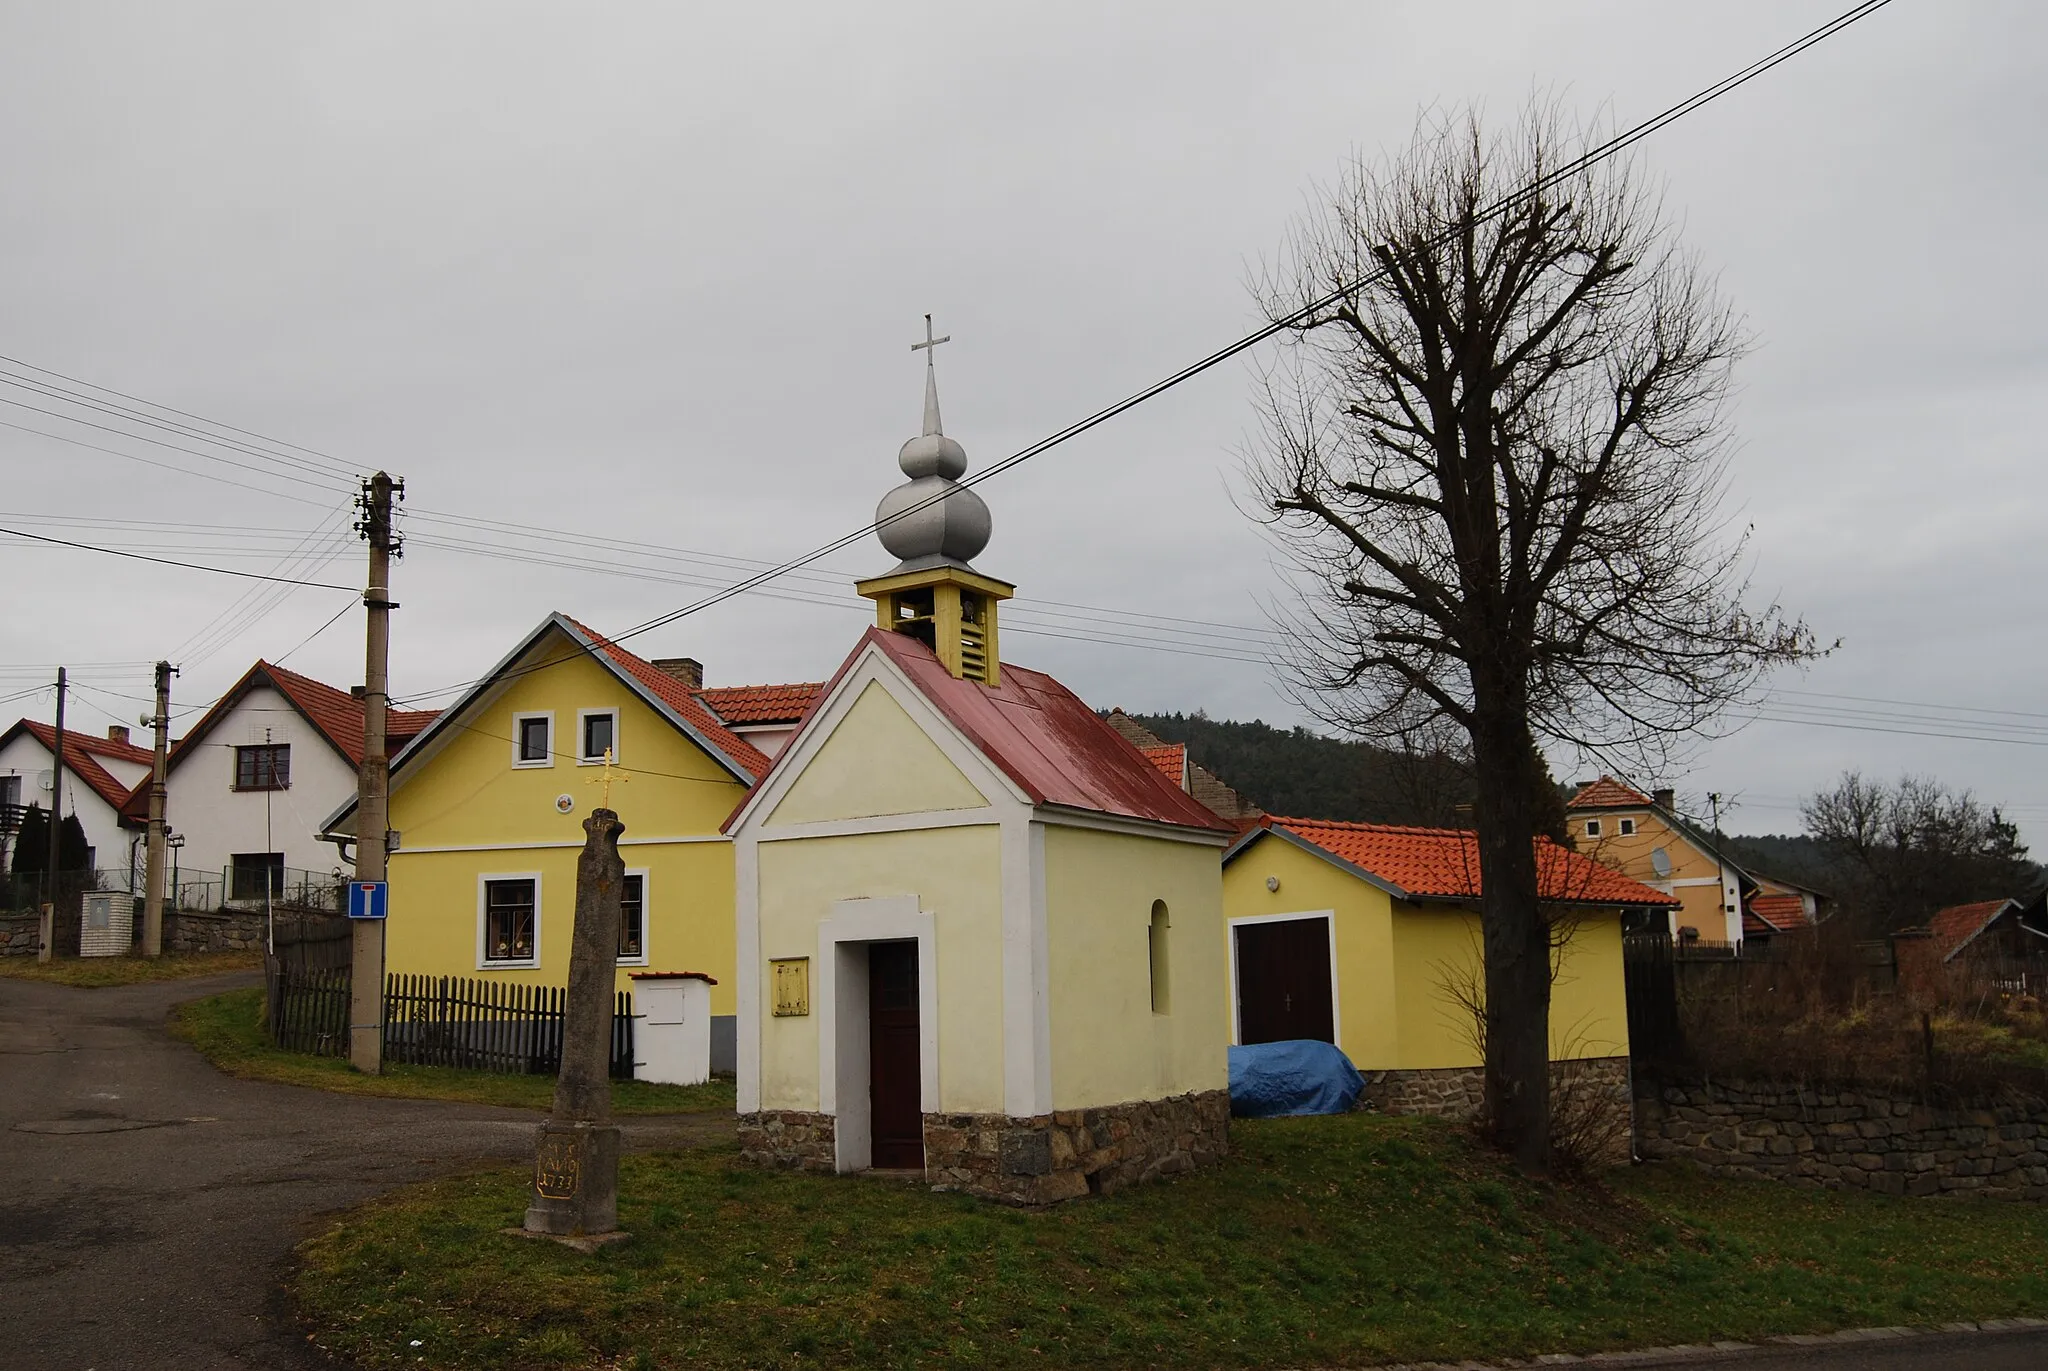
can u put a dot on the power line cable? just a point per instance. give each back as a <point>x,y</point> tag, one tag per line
<point>189,566</point>
<point>344,467</point>
<point>153,462</point>
<point>1576,166</point>
<point>88,402</point>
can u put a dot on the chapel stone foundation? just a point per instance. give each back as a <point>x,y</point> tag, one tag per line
<point>1036,1160</point>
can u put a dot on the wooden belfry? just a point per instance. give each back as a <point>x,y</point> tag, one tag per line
<point>576,1162</point>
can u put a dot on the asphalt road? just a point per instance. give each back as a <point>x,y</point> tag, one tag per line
<point>152,1202</point>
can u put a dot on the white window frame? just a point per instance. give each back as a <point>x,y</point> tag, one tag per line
<point>483,880</point>
<point>646,923</point>
<point>1592,828</point>
<point>519,719</point>
<point>1625,828</point>
<point>618,750</point>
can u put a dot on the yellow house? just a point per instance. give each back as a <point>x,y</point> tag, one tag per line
<point>487,806</point>
<point>1643,837</point>
<point>980,935</point>
<point>1368,936</point>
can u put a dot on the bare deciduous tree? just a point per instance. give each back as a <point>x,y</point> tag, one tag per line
<point>1495,448</point>
<point>1904,850</point>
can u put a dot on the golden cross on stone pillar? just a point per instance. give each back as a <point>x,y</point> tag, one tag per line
<point>611,773</point>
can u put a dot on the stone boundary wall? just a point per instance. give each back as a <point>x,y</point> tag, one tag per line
<point>20,935</point>
<point>226,930</point>
<point>1038,1160</point>
<point>1597,1086</point>
<point>1839,1139</point>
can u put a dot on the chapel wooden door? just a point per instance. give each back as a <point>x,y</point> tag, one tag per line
<point>1283,981</point>
<point>895,1093</point>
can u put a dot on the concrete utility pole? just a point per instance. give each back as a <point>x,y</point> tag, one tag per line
<point>153,877</point>
<point>373,781</point>
<point>46,935</point>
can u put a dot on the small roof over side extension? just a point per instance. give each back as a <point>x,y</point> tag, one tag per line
<point>1443,863</point>
<point>82,752</point>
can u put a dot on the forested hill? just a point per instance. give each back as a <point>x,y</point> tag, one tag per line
<point>1295,772</point>
<point>1792,857</point>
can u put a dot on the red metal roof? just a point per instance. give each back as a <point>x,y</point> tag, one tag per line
<point>682,700</point>
<point>1039,734</point>
<point>1608,793</point>
<point>1443,863</point>
<point>1171,759</point>
<point>1956,925</point>
<point>82,752</point>
<point>761,704</point>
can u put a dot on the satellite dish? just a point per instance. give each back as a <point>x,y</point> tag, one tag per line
<point>1660,862</point>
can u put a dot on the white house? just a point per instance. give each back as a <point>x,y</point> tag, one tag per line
<point>99,773</point>
<point>246,789</point>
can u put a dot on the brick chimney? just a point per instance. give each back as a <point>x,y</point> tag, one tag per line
<point>117,733</point>
<point>688,670</point>
<point>1666,799</point>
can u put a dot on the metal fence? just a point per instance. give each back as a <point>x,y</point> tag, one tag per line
<point>290,888</point>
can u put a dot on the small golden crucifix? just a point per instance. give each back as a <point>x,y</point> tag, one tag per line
<point>611,773</point>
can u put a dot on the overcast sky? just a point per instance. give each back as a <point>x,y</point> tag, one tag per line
<point>650,273</point>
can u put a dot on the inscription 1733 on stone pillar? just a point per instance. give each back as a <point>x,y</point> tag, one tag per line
<point>576,1158</point>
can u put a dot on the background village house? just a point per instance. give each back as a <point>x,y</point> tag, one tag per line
<point>980,934</point>
<point>1367,936</point>
<point>99,773</point>
<point>246,787</point>
<point>1645,838</point>
<point>486,802</point>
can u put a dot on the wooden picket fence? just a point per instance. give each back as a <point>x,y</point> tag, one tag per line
<point>489,1025</point>
<point>428,1020</point>
<point>308,1008</point>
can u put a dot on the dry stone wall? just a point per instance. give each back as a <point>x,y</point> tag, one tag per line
<point>1843,1139</point>
<point>20,935</point>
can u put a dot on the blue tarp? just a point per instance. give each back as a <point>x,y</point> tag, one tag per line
<point>1269,1080</point>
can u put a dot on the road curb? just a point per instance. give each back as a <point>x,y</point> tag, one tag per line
<point>1680,1353</point>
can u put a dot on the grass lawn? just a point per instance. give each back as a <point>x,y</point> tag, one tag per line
<point>228,1031</point>
<point>130,970</point>
<point>1332,1241</point>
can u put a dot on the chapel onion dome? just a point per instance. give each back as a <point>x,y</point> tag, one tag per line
<point>955,526</point>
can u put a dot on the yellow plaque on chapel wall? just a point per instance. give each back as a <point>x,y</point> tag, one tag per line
<point>792,976</point>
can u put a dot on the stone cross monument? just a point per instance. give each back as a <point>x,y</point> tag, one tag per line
<point>576,1166</point>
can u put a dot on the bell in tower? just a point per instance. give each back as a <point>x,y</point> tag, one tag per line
<point>936,526</point>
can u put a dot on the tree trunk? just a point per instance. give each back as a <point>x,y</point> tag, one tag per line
<point>1508,770</point>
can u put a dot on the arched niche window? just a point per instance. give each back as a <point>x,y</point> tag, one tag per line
<point>1162,981</point>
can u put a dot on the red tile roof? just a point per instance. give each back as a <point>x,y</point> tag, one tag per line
<point>682,700</point>
<point>1956,925</point>
<point>1443,863</point>
<point>1056,749</point>
<point>335,714</point>
<point>82,752</point>
<point>1608,793</point>
<point>761,704</point>
<point>1172,761</point>
<point>1768,914</point>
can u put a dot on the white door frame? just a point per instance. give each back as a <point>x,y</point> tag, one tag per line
<point>842,1011</point>
<point>1336,1004</point>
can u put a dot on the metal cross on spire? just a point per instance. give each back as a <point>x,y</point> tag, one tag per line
<point>930,348</point>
